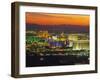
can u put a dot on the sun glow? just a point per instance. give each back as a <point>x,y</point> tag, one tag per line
<point>57,19</point>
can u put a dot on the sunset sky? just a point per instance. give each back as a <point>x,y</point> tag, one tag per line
<point>57,19</point>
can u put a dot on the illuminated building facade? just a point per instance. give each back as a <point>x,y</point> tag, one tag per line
<point>80,41</point>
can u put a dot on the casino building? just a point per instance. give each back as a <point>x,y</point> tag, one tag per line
<point>79,41</point>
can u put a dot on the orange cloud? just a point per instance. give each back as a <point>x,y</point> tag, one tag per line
<point>57,19</point>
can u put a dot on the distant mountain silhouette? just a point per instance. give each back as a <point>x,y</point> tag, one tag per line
<point>59,28</point>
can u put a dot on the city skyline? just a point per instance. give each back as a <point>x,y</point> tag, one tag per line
<point>56,39</point>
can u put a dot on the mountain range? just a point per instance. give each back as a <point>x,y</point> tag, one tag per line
<point>58,28</point>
